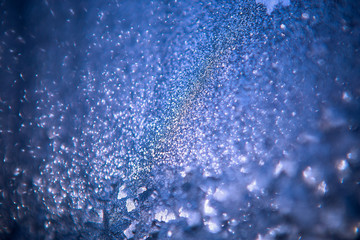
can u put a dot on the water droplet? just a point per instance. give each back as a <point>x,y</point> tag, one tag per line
<point>305,16</point>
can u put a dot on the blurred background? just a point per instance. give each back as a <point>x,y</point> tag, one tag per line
<point>126,119</point>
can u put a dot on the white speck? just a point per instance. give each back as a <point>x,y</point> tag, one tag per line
<point>209,210</point>
<point>100,213</point>
<point>129,232</point>
<point>213,225</point>
<point>164,216</point>
<point>252,186</point>
<point>192,217</point>
<point>22,40</point>
<point>307,138</point>
<point>282,26</point>
<point>278,169</point>
<point>305,16</point>
<point>285,166</point>
<point>322,188</point>
<point>206,173</point>
<point>130,205</point>
<point>220,194</point>
<point>342,165</point>
<point>17,171</point>
<point>243,159</point>
<point>309,175</point>
<point>243,170</point>
<point>248,147</point>
<point>122,194</point>
<point>346,97</point>
<point>141,190</point>
<point>183,174</point>
<point>259,237</point>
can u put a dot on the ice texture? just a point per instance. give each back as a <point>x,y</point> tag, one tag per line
<point>180,119</point>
